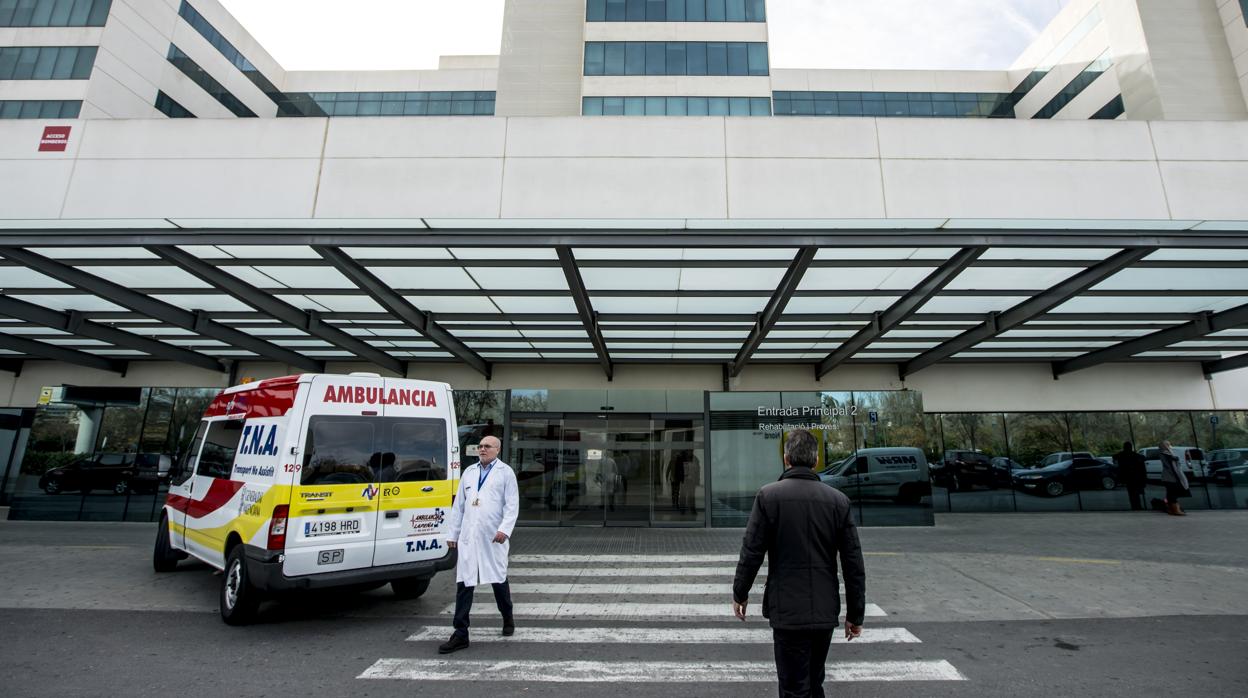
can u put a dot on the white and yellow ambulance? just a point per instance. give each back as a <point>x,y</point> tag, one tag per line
<point>316,481</point>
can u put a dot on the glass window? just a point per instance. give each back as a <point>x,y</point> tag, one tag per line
<point>718,106</point>
<point>675,10</point>
<point>341,450</point>
<point>695,10</point>
<point>699,106</point>
<point>755,10</point>
<point>715,11</point>
<point>676,64</point>
<point>613,63</point>
<point>417,452</point>
<point>596,11</point>
<point>738,59</point>
<point>635,58</point>
<point>656,106</point>
<point>594,64</point>
<point>613,106</point>
<point>615,10</point>
<point>656,58</point>
<point>635,10</point>
<point>221,442</point>
<point>716,58</point>
<point>735,11</point>
<point>656,10</point>
<point>591,106</point>
<point>677,106</point>
<point>695,54</point>
<point>185,465</point>
<point>758,59</point>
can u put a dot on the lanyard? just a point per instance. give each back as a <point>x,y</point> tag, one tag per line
<point>482,474</point>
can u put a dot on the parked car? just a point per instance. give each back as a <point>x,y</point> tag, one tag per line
<point>1003,470</point>
<point>1225,458</point>
<point>1080,471</point>
<point>962,470</point>
<point>1233,475</point>
<point>895,473</point>
<point>1191,459</point>
<point>119,472</point>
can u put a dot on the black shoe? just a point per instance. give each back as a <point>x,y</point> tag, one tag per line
<point>456,643</point>
<point>509,629</point>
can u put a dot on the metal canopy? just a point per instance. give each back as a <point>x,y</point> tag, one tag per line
<point>55,353</point>
<point>733,298</point>
<point>307,321</point>
<point>774,309</point>
<point>1228,364</point>
<point>1205,324</point>
<point>886,321</point>
<point>1027,310</point>
<point>197,322</point>
<point>73,322</point>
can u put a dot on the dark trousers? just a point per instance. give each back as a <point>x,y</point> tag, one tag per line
<point>463,604</point>
<point>800,656</point>
<point>1136,494</point>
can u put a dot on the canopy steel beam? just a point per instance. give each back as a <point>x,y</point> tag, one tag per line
<point>1206,323</point>
<point>1029,309</point>
<point>904,308</point>
<point>195,321</point>
<point>585,309</point>
<point>774,308</point>
<point>57,353</point>
<point>74,323</point>
<point>1228,364</point>
<point>308,321</point>
<point>625,237</point>
<point>13,366</point>
<point>415,318</point>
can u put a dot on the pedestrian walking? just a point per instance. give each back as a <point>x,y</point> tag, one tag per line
<point>802,526</point>
<point>1133,473</point>
<point>482,519</point>
<point>1175,480</point>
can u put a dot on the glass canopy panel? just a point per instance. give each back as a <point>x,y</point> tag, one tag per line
<point>1014,355</point>
<point>348,304</point>
<point>1208,343</point>
<point>283,331</point>
<point>902,345</point>
<point>453,304</point>
<point>650,305</point>
<point>625,346</point>
<point>834,253</point>
<point>564,345</point>
<point>1089,253</point>
<point>301,343</point>
<point>196,343</point>
<point>625,253</point>
<point>1176,279</point>
<point>626,278</point>
<point>805,305</point>
<point>406,344</point>
<point>504,253</point>
<point>461,333</point>
<point>21,277</point>
<point>737,304</point>
<point>307,277</point>
<point>577,331</point>
<point>500,346</point>
<point>252,277</point>
<point>1179,254</point>
<point>510,355</point>
<point>147,277</point>
<point>575,355</point>
<point>1173,352</point>
<point>397,252</point>
<point>747,279</point>
<point>1071,346</point>
<point>94,252</point>
<point>73,302</point>
<point>1010,278</point>
<point>636,334</point>
<point>22,330</point>
<point>424,277</point>
<point>725,334</point>
<point>113,352</point>
<point>267,251</point>
<point>862,278</point>
<point>329,354</point>
<point>818,334</point>
<point>882,355</point>
<point>1150,304</point>
<point>74,342</point>
<point>204,251</point>
<point>770,346</point>
<point>971,304</point>
<point>739,253</point>
<point>524,304</point>
<point>870,304</point>
<point>203,302</point>
<point>924,333</point>
<point>228,352</point>
<point>538,278</point>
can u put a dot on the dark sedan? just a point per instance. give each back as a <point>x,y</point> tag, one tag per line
<point>117,472</point>
<point>1080,472</point>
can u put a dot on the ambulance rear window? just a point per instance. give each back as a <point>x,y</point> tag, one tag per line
<point>350,449</point>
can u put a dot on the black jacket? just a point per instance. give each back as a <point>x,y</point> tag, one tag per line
<point>1131,468</point>
<point>801,525</point>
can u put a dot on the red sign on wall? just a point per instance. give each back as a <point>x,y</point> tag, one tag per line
<point>54,140</point>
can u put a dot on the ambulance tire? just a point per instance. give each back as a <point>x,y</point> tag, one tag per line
<point>410,588</point>
<point>164,556</point>
<point>239,599</point>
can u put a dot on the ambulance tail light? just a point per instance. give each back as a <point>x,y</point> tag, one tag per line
<point>277,527</point>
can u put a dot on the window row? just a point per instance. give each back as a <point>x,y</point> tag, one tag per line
<point>200,77</point>
<point>1076,86</point>
<point>675,11</point>
<point>46,62</point>
<point>462,103</point>
<point>54,13</point>
<point>40,109</point>
<point>892,104</point>
<point>675,58</point>
<point>676,106</point>
<point>170,108</point>
<point>1114,109</point>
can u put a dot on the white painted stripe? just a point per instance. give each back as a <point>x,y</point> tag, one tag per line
<point>724,590</point>
<point>527,671</point>
<point>657,636</point>
<point>633,611</point>
<point>644,572</point>
<point>635,559</point>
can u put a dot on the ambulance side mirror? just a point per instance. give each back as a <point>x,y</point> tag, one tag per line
<point>294,450</point>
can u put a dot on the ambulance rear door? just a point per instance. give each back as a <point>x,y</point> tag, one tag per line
<point>415,477</point>
<point>335,495</point>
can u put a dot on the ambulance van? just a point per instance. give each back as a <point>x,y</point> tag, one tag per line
<point>316,481</point>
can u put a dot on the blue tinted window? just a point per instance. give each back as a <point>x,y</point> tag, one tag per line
<point>675,11</point>
<point>635,10</point>
<point>46,63</point>
<point>1115,108</point>
<point>39,109</point>
<point>635,58</point>
<point>594,61</point>
<point>596,11</point>
<point>171,108</point>
<point>676,106</point>
<point>695,55</point>
<point>656,10</point>
<point>676,58</point>
<point>200,77</point>
<point>1075,87</point>
<point>591,106</point>
<point>894,104</point>
<point>695,10</point>
<point>614,63</point>
<point>462,103</point>
<point>715,11</point>
<point>54,13</point>
<point>656,58</point>
<point>615,10</point>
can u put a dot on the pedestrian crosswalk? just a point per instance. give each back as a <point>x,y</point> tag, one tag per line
<point>587,604</point>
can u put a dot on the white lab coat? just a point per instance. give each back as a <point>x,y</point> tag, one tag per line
<point>481,560</point>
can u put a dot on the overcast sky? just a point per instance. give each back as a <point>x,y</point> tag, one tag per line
<point>408,34</point>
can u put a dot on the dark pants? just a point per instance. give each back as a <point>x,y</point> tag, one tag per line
<point>1135,493</point>
<point>800,656</point>
<point>463,604</point>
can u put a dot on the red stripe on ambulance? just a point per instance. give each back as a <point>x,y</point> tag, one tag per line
<point>221,492</point>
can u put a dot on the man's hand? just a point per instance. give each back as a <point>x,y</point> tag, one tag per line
<point>500,537</point>
<point>450,544</point>
<point>852,631</point>
<point>739,609</point>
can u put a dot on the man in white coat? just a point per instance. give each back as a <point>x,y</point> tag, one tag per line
<point>482,519</point>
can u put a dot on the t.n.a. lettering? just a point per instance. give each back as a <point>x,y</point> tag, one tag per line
<point>259,440</point>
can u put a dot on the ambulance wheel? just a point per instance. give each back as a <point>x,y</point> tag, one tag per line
<point>239,599</point>
<point>410,588</point>
<point>164,556</point>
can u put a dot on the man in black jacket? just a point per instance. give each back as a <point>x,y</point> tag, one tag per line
<point>802,525</point>
<point>1132,472</point>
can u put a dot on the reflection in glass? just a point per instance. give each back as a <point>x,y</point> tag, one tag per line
<point>1040,444</point>
<point>1101,481</point>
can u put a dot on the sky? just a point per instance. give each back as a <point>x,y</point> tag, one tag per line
<point>893,34</point>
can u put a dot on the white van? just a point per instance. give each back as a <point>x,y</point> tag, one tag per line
<point>896,473</point>
<point>316,481</point>
<point>1191,460</point>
